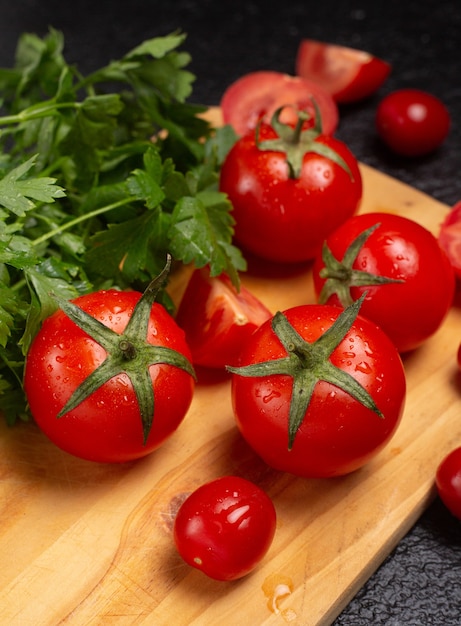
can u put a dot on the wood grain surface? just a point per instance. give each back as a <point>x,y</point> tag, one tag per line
<point>89,544</point>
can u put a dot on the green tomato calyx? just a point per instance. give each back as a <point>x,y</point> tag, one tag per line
<point>128,353</point>
<point>341,276</point>
<point>295,141</point>
<point>308,363</point>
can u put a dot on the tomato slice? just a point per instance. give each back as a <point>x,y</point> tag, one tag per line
<point>347,74</point>
<point>450,237</point>
<point>217,319</point>
<point>258,94</point>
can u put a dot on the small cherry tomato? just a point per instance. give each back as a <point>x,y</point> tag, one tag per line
<point>448,482</point>
<point>347,74</point>
<point>258,94</point>
<point>225,527</point>
<point>412,122</point>
<point>450,237</point>
<point>218,319</point>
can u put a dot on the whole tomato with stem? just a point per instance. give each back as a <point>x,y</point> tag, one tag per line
<point>319,390</point>
<point>225,527</point>
<point>108,377</point>
<point>289,187</point>
<point>407,277</point>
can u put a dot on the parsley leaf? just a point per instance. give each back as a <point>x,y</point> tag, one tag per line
<point>100,177</point>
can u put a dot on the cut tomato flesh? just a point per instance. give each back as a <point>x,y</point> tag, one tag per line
<point>258,95</point>
<point>347,74</point>
<point>217,319</point>
<point>450,237</point>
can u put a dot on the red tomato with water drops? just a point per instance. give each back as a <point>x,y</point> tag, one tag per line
<point>318,392</point>
<point>450,237</point>
<point>283,213</point>
<point>412,122</point>
<point>225,527</point>
<point>107,426</point>
<point>346,73</point>
<point>258,94</point>
<point>408,279</point>
<point>448,482</point>
<point>218,319</point>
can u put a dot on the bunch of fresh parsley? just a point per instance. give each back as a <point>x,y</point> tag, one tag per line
<point>100,176</point>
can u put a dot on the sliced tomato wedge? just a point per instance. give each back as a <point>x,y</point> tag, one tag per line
<point>258,94</point>
<point>346,73</point>
<point>217,319</point>
<point>450,237</point>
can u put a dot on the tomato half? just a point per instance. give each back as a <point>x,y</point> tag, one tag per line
<point>106,427</point>
<point>284,217</point>
<point>412,122</point>
<point>450,237</point>
<point>225,527</point>
<point>448,482</point>
<point>347,74</point>
<point>218,319</point>
<point>258,94</point>
<point>337,433</point>
<point>398,249</point>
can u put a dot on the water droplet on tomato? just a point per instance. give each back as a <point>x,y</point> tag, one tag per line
<point>60,359</point>
<point>273,395</point>
<point>363,367</point>
<point>49,367</point>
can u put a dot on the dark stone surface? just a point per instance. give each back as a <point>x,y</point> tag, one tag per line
<point>419,583</point>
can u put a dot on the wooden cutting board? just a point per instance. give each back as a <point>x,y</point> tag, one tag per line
<point>89,544</point>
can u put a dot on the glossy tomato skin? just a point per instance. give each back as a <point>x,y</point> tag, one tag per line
<point>411,311</point>
<point>218,319</point>
<point>259,94</point>
<point>285,219</point>
<point>448,481</point>
<point>225,527</point>
<point>106,427</point>
<point>449,237</point>
<point>412,122</point>
<point>348,74</point>
<point>338,434</point>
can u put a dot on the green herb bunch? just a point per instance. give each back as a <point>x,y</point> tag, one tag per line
<point>100,176</point>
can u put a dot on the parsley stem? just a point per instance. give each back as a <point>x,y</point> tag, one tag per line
<point>36,112</point>
<point>81,218</point>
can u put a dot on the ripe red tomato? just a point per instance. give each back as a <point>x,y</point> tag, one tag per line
<point>448,482</point>
<point>225,527</point>
<point>282,215</point>
<point>218,319</point>
<point>347,74</point>
<point>412,122</point>
<point>292,393</point>
<point>450,237</point>
<point>258,94</point>
<point>400,249</point>
<point>107,426</point>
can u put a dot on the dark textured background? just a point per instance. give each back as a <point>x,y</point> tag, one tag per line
<point>420,582</point>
